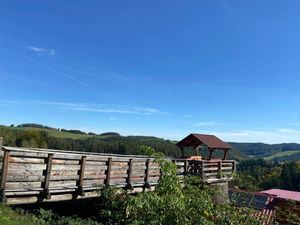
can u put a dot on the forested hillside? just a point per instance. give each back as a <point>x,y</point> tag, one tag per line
<point>274,152</point>
<point>258,174</point>
<point>35,135</point>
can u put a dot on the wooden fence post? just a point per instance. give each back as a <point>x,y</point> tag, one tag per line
<point>46,192</point>
<point>129,175</point>
<point>233,166</point>
<point>5,162</point>
<point>186,167</point>
<point>108,171</point>
<point>80,190</point>
<point>1,143</point>
<point>147,184</point>
<point>219,169</point>
<point>202,170</point>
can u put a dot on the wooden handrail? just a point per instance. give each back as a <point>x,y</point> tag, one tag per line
<point>54,175</point>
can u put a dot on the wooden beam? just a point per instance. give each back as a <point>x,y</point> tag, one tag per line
<point>80,190</point>
<point>225,154</point>
<point>197,149</point>
<point>129,175</point>
<point>220,168</point>
<point>210,153</point>
<point>1,142</point>
<point>234,166</point>
<point>186,167</point>
<point>46,193</point>
<point>4,175</point>
<point>147,185</point>
<point>108,171</point>
<point>202,173</point>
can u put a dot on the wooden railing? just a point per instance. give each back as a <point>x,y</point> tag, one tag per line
<point>210,171</point>
<point>37,175</point>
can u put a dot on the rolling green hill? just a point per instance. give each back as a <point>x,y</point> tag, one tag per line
<point>114,143</point>
<point>54,133</point>
<point>281,154</point>
<point>273,152</point>
<point>35,135</point>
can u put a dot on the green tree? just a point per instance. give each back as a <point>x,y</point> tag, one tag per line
<point>289,176</point>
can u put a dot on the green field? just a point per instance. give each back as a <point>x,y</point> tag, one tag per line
<point>9,216</point>
<point>281,154</point>
<point>56,133</point>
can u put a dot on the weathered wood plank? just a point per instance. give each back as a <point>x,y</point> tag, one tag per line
<point>66,167</point>
<point>95,163</point>
<point>211,169</point>
<point>58,197</point>
<point>93,183</point>
<point>59,184</point>
<point>24,172</point>
<point>20,178</point>
<point>25,167</point>
<point>4,170</point>
<point>40,178</point>
<point>226,168</point>
<point>26,160</point>
<point>136,157</point>
<point>65,173</point>
<point>23,185</point>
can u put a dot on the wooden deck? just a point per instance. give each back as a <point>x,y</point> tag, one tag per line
<point>42,175</point>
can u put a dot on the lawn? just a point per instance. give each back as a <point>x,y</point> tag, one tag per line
<point>12,217</point>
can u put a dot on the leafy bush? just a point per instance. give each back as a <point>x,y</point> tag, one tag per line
<point>170,203</point>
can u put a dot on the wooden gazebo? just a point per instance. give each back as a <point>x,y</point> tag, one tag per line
<point>210,141</point>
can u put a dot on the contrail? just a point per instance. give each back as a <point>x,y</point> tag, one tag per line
<point>59,72</point>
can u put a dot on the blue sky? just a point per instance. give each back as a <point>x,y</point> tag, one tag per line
<point>161,68</point>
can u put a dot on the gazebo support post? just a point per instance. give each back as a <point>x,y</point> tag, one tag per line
<point>225,153</point>
<point>197,149</point>
<point>182,155</point>
<point>210,153</point>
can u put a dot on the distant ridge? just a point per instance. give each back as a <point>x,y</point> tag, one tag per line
<point>37,135</point>
<point>241,151</point>
<point>275,152</point>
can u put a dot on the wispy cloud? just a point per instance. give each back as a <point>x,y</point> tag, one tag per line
<point>96,108</point>
<point>295,123</point>
<point>289,131</point>
<point>42,50</point>
<point>267,136</point>
<point>211,124</point>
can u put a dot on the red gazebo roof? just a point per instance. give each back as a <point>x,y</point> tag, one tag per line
<point>210,141</point>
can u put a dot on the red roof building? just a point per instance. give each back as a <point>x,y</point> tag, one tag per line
<point>289,195</point>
